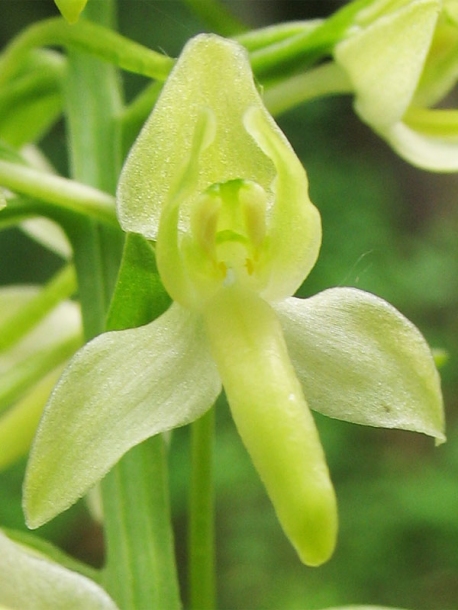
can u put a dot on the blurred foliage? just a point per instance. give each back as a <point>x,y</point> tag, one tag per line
<point>389,229</point>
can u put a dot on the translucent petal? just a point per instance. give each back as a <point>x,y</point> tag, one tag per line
<point>430,152</point>
<point>360,360</point>
<point>49,234</point>
<point>385,60</point>
<point>294,228</point>
<point>29,580</point>
<point>120,389</point>
<point>211,73</point>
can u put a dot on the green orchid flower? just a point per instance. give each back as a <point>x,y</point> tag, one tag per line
<point>402,60</point>
<point>29,579</point>
<point>214,182</point>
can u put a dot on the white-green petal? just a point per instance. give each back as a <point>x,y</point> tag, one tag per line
<point>48,234</point>
<point>120,389</point>
<point>362,361</point>
<point>29,580</point>
<point>426,151</point>
<point>211,74</point>
<point>385,60</point>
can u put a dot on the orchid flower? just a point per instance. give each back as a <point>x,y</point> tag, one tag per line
<point>214,182</point>
<point>29,579</point>
<point>401,57</point>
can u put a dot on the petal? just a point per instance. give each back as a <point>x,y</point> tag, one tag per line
<point>120,389</point>
<point>273,419</point>
<point>214,75</point>
<point>29,580</point>
<point>360,360</point>
<point>385,60</point>
<point>48,234</point>
<point>294,229</point>
<point>425,150</point>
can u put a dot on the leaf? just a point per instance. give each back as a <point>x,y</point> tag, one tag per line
<point>29,580</point>
<point>139,296</point>
<point>121,388</point>
<point>361,361</point>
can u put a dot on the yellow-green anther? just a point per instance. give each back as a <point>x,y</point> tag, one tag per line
<point>273,419</point>
<point>71,9</point>
<point>253,199</point>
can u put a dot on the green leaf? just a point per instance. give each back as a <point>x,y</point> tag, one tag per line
<point>29,580</point>
<point>360,360</point>
<point>139,295</point>
<point>121,388</point>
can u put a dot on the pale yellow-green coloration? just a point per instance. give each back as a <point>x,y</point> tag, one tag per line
<point>273,419</point>
<point>214,182</point>
<point>385,60</point>
<point>204,147</point>
<point>29,579</point>
<point>71,9</point>
<point>401,58</point>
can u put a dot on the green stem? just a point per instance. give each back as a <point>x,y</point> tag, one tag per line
<point>264,37</point>
<point>201,516</point>
<point>95,39</point>
<point>61,287</point>
<point>58,191</point>
<point>140,569</point>
<point>138,532</point>
<point>304,49</point>
<point>93,105</point>
<point>327,79</point>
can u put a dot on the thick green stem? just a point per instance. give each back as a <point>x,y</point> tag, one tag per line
<point>58,191</point>
<point>85,36</point>
<point>140,569</point>
<point>138,532</point>
<point>326,79</point>
<point>201,516</point>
